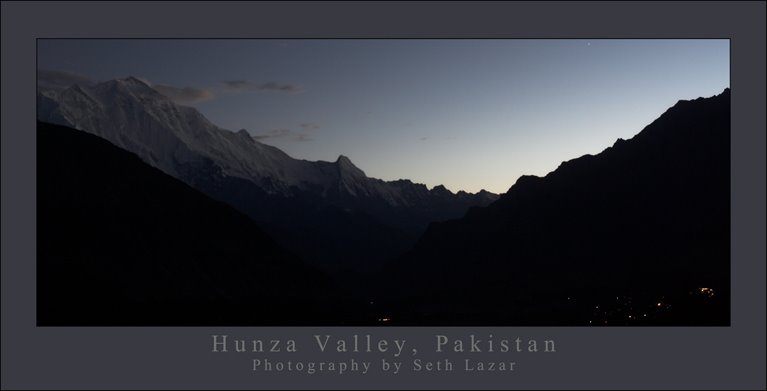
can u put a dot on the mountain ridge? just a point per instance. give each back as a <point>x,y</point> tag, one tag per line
<point>636,234</point>
<point>65,113</point>
<point>301,203</point>
<point>646,218</point>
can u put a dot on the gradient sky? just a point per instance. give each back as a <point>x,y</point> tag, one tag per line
<point>469,114</point>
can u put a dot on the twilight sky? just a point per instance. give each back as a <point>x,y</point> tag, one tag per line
<point>469,114</point>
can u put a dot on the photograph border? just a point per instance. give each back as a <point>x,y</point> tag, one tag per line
<point>594,358</point>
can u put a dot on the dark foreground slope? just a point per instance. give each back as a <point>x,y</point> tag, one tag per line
<point>121,243</point>
<point>638,234</point>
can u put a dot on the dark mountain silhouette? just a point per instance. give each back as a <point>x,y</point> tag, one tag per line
<point>638,234</point>
<point>121,243</point>
<point>330,213</point>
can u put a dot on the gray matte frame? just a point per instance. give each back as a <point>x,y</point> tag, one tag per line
<point>590,358</point>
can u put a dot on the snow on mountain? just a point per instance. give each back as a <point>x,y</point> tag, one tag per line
<point>132,115</point>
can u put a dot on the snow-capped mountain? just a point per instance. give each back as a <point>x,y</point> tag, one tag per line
<point>134,116</point>
<point>178,139</point>
<point>329,213</point>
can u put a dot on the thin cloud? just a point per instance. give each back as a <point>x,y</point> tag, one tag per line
<point>184,94</point>
<point>245,85</point>
<point>303,137</point>
<point>236,85</point>
<point>284,133</point>
<point>271,86</point>
<point>274,133</point>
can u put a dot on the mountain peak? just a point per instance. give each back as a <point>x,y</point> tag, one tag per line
<point>345,162</point>
<point>243,134</point>
<point>441,189</point>
<point>129,84</point>
<point>132,80</point>
<point>345,165</point>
